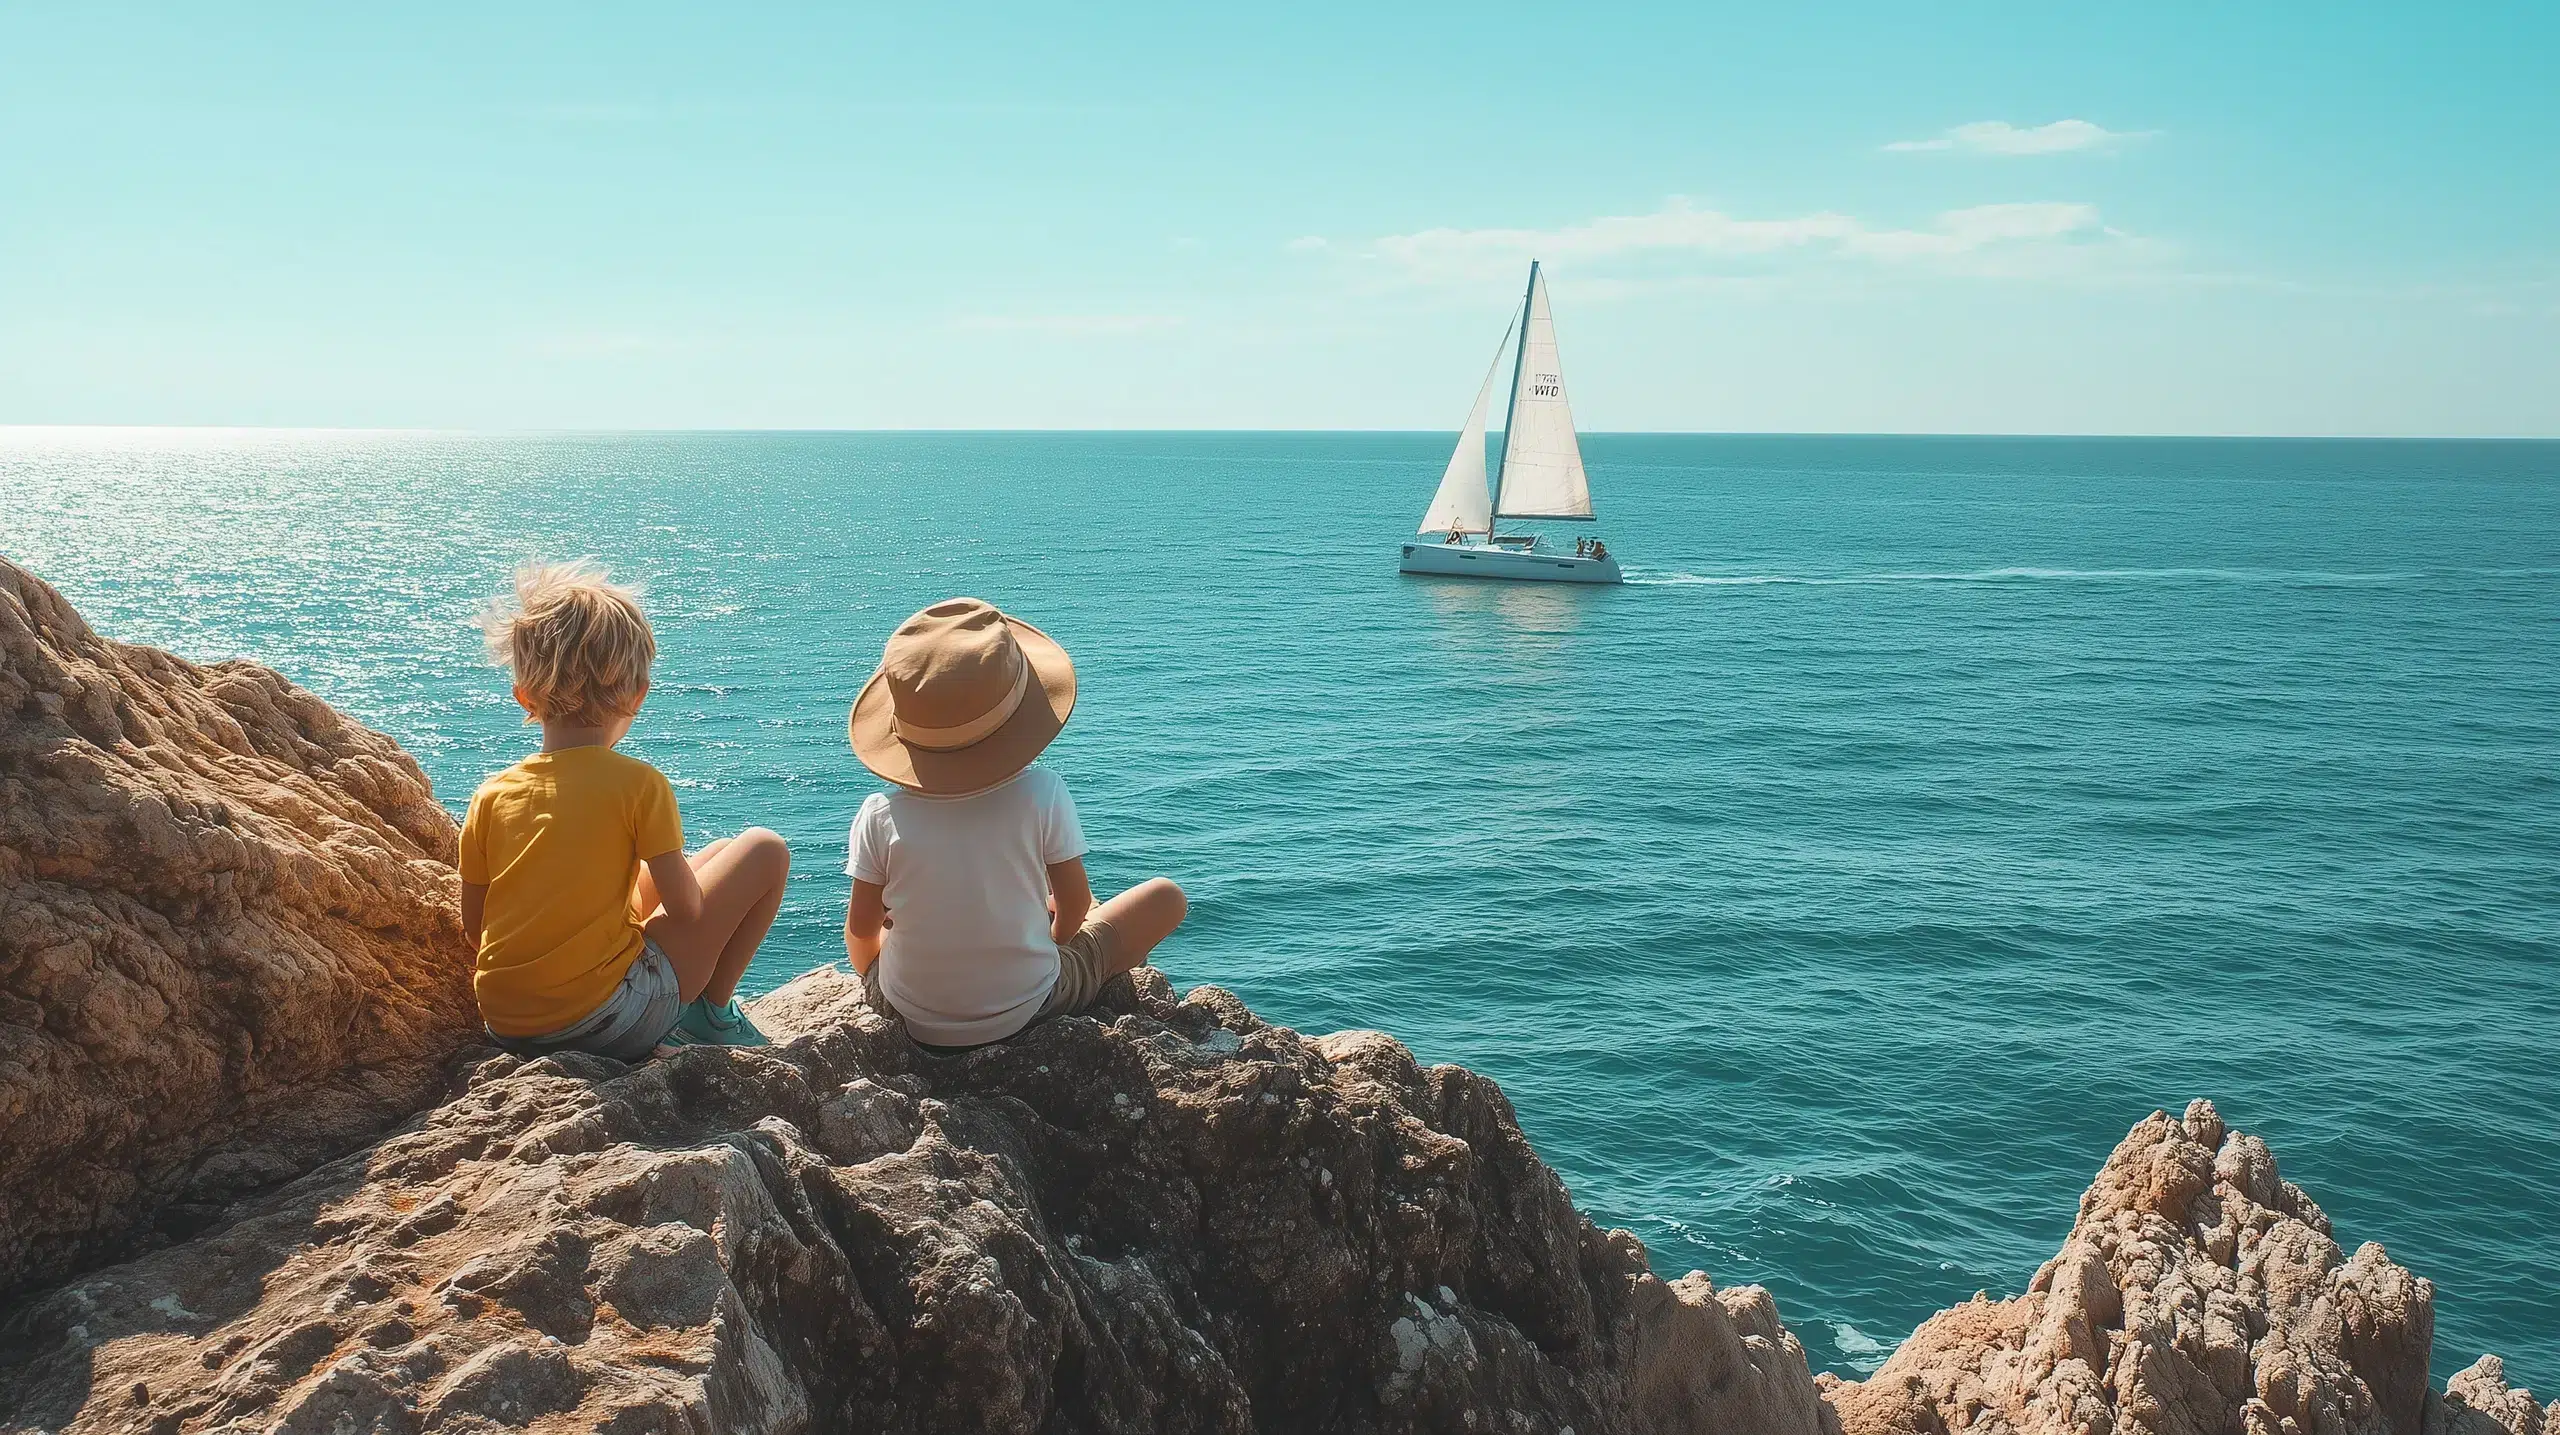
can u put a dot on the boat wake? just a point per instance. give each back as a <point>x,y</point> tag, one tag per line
<point>2288,576</point>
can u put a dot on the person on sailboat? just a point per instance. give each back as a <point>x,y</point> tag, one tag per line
<point>1456,535</point>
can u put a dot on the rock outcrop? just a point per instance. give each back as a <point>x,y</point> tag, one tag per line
<point>1167,1216</point>
<point>228,947</point>
<point>2200,1292</point>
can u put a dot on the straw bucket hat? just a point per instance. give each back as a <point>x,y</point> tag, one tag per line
<point>965,697</point>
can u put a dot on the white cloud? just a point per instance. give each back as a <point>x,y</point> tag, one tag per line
<point>1306,243</point>
<point>2002,137</point>
<point>1679,236</point>
<point>1676,226</point>
<point>1080,324</point>
<point>1964,231</point>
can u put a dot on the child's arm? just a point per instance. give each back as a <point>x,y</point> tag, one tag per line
<point>1070,898</point>
<point>678,890</point>
<point>864,919</point>
<point>474,857</point>
<point>644,896</point>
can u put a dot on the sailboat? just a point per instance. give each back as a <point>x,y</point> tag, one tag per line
<point>1541,476</point>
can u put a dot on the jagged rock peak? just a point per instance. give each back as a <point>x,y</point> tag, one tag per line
<point>2200,1292</point>
<point>2476,1401</point>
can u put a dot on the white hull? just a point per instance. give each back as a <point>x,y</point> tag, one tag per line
<point>1478,561</point>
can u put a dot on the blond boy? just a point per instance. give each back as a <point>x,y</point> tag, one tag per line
<point>595,931</point>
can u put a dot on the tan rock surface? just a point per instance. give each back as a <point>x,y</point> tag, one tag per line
<point>1166,1217</point>
<point>227,942</point>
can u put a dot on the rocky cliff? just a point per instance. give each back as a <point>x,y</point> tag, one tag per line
<point>1171,1217</point>
<point>227,941</point>
<point>1166,1215</point>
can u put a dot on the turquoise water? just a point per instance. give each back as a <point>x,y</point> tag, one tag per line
<point>1829,899</point>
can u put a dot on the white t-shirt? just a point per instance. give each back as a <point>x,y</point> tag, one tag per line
<point>968,956</point>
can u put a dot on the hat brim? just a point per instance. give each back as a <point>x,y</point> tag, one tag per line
<point>991,759</point>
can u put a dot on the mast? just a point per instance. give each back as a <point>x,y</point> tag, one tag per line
<point>1511,410</point>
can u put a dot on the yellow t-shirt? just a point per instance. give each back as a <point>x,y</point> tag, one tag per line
<point>558,840</point>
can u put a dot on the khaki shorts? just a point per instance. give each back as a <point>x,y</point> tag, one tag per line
<point>1085,961</point>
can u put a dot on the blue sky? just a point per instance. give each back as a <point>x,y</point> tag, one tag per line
<point>1985,218</point>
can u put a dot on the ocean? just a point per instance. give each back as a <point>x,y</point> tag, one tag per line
<point>1829,899</point>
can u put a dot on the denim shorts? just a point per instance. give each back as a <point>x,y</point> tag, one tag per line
<point>627,1026</point>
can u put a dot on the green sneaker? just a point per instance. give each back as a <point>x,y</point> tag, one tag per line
<point>702,1024</point>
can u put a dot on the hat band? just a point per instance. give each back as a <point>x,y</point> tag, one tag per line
<point>947,739</point>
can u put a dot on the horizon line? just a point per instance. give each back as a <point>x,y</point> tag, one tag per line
<point>26,430</point>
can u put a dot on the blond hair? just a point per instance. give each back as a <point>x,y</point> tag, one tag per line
<point>578,643</point>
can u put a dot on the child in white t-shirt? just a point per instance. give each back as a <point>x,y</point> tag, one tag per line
<point>971,915</point>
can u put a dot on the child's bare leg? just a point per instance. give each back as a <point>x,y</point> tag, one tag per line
<point>1141,918</point>
<point>644,893</point>
<point>742,881</point>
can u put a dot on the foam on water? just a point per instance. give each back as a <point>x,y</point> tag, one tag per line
<point>1651,578</point>
<point>1864,1351</point>
<point>1829,899</point>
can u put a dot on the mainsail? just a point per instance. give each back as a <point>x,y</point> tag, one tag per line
<point>1542,473</point>
<point>1462,504</point>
